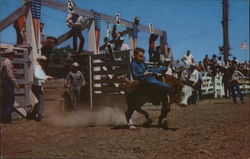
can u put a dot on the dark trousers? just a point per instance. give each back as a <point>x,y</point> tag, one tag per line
<point>39,107</point>
<point>9,99</point>
<point>76,32</point>
<point>235,86</point>
<point>227,88</point>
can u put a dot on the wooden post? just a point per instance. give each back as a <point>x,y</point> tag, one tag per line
<point>90,83</point>
<point>164,44</point>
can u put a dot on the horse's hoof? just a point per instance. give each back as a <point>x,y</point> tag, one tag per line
<point>148,122</point>
<point>132,127</point>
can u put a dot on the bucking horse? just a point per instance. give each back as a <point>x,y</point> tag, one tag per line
<point>137,94</point>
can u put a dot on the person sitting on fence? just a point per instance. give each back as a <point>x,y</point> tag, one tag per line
<point>37,88</point>
<point>75,80</point>
<point>107,49</point>
<point>9,83</point>
<point>206,62</point>
<point>75,22</point>
<point>200,67</point>
<point>188,59</point>
<point>236,75</point>
<point>140,71</point>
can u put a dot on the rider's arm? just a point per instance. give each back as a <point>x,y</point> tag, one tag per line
<point>136,72</point>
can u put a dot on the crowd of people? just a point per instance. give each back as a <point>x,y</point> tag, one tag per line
<point>191,73</point>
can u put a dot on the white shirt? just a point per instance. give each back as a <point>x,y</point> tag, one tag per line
<point>39,76</point>
<point>220,63</point>
<point>125,47</point>
<point>188,59</point>
<point>194,76</point>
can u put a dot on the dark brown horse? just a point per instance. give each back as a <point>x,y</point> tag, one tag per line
<point>137,94</point>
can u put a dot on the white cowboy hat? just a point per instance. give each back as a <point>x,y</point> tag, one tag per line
<point>42,58</point>
<point>75,64</point>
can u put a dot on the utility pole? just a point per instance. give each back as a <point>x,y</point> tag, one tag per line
<point>226,47</point>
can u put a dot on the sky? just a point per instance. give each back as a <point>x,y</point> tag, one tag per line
<point>190,24</point>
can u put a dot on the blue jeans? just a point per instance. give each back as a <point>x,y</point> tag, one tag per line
<point>9,95</point>
<point>75,95</point>
<point>39,107</point>
<point>235,85</point>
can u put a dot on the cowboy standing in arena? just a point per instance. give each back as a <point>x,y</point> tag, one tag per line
<point>235,84</point>
<point>37,88</point>
<point>9,83</point>
<point>194,78</point>
<point>75,80</point>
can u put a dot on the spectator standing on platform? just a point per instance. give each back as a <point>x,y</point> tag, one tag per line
<point>37,88</point>
<point>194,78</point>
<point>234,62</point>
<point>75,22</point>
<point>75,80</point>
<point>9,83</point>
<point>42,34</point>
<point>188,59</point>
<point>151,49</point>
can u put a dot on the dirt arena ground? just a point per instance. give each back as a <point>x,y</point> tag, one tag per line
<point>212,129</point>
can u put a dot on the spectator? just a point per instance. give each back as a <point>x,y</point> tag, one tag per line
<point>107,49</point>
<point>220,62</point>
<point>75,80</point>
<point>135,31</point>
<point>234,62</point>
<point>200,67</point>
<point>37,88</point>
<point>9,83</point>
<point>213,65</point>
<point>19,26</point>
<point>42,34</point>
<point>48,45</point>
<point>76,22</point>
<point>188,59</point>
<point>151,49</point>
<point>206,62</point>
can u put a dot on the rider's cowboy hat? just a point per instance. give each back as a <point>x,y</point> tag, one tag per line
<point>75,64</point>
<point>42,58</point>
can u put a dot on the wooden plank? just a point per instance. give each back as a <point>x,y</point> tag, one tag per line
<point>13,17</point>
<point>90,14</point>
<point>107,89</point>
<point>115,72</point>
<point>111,63</point>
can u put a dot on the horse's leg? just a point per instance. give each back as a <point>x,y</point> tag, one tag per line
<point>139,110</point>
<point>165,109</point>
<point>128,115</point>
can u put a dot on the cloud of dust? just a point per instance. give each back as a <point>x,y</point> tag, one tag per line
<point>108,116</point>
